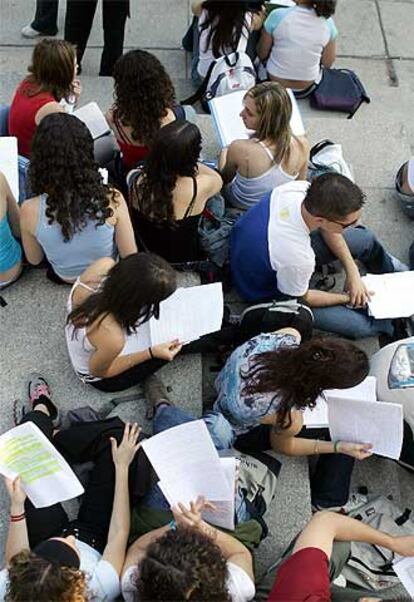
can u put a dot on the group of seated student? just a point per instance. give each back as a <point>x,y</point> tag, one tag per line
<point>118,245</point>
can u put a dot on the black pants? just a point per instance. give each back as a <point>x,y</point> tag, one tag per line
<point>45,19</point>
<point>78,25</point>
<point>88,441</point>
<point>129,378</point>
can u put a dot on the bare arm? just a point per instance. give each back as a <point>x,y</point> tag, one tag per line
<point>17,537</point>
<point>28,216</point>
<point>329,54</point>
<point>229,161</point>
<point>197,7</point>
<point>317,298</point>
<point>123,455</point>
<point>48,109</point>
<point>13,210</point>
<point>325,527</point>
<point>124,232</point>
<point>264,46</point>
<point>297,446</point>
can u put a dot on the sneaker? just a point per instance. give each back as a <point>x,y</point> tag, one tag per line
<point>29,32</point>
<point>38,387</point>
<point>155,393</point>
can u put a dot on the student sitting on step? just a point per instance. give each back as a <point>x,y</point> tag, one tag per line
<point>75,219</point>
<point>106,307</point>
<point>170,192</point>
<point>52,78</point>
<point>275,246</point>
<point>296,42</point>
<point>273,156</point>
<point>10,249</point>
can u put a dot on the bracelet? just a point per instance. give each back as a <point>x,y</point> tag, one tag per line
<point>15,518</point>
<point>150,352</point>
<point>316,448</point>
<point>336,443</point>
<point>172,525</point>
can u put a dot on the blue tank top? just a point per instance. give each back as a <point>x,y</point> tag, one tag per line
<point>10,250</point>
<point>71,258</point>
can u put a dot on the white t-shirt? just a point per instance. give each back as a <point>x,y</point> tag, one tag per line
<point>101,578</point>
<point>290,250</point>
<point>206,56</point>
<point>239,585</point>
<point>299,37</point>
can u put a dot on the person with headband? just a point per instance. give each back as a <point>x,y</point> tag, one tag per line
<point>296,42</point>
<point>273,156</point>
<point>49,557</point>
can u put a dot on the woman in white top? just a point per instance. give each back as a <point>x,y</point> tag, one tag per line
<point>273,156</point>
<point>188,560</point>
<point>224,27</point>
<point>296,41</point>
<point>107,306</point>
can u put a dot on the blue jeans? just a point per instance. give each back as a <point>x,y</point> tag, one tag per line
<point>221,432</point>
<point>346,321</point>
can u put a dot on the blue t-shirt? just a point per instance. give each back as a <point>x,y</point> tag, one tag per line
<point>244,412</point>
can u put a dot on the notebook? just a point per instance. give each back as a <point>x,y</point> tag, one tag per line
<point>8,163</point>
<point>225,111</point>
<point>94,119</point>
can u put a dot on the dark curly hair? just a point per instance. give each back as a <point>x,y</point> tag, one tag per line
<point>143,92</point>
<point>132,291</point>
<point>174,154</point>
<point>52,68</point>
<point>183,565</point>
<point>298,374</point>
<point>33,579</point>
<point>62,165</point>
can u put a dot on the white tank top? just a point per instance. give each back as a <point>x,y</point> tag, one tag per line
<point>80,348</point>
<point>243,192</point>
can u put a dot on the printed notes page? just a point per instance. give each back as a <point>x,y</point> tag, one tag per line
<point>393,294</point>
<point>225,111</point>
<point>8,163</point>
<point>94,119</point>
<point>375,422</point>
<point>404,569</point>
<point>318,417</point>
<point>46,476</point>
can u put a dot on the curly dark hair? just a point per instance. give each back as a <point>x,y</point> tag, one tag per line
<point>52,68</point>
<point>174,154</point>
<point>132,291</point>
<point>143,92</point>
<point>62,165</point>
<point>183,564</point>
<point>33,579</point>
<point>299,374</point>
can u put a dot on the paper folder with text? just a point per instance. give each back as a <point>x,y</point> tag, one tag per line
<point>225,111</point>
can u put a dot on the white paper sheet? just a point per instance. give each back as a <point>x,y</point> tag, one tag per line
<point>94,119</point>
<point>404,569</point>
<point>318,417</point>
<point>186,315</point>
<point>225,111</point>
<point>281,2</point>
<point>394,294</point>
<point>46,476</point>
<point>223,515</point>
<point>8,163</point>
<point>375,422</point>
<point>187,462</point>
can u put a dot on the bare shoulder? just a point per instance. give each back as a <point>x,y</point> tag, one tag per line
<point>97,270</point>
<point>107,334</point>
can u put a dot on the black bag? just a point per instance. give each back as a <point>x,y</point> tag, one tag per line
<point>269,317</point>
<point>339,90</point>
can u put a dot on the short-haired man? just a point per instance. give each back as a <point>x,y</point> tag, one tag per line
<point>276,245</point>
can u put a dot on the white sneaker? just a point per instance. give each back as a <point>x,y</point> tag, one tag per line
<point>29,32</point>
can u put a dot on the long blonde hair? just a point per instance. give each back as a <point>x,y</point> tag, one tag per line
<point>274,109</point>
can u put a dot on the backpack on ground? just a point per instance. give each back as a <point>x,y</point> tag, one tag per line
<point>370,566</point>
<point>269,317</point>
<point>229,73</point>
<point>339,90</point>
<point>214,228</point>
<point>327,157</point>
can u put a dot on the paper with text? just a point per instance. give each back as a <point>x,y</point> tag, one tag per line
<point>223,515</point>
<point>46,476</point>
<point>187,462</point>
<point>394,294</point>
<point>186,315</point>
<point>375,422</point>
<point>8,163</point>
<point>225,111</point>
<point>94,119</point>
<point>404,569</point>
<point>318,417</point>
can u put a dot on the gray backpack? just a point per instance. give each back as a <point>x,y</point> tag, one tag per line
<point>370,566</point>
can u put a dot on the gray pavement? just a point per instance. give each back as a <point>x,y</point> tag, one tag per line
<point>375,39</point>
